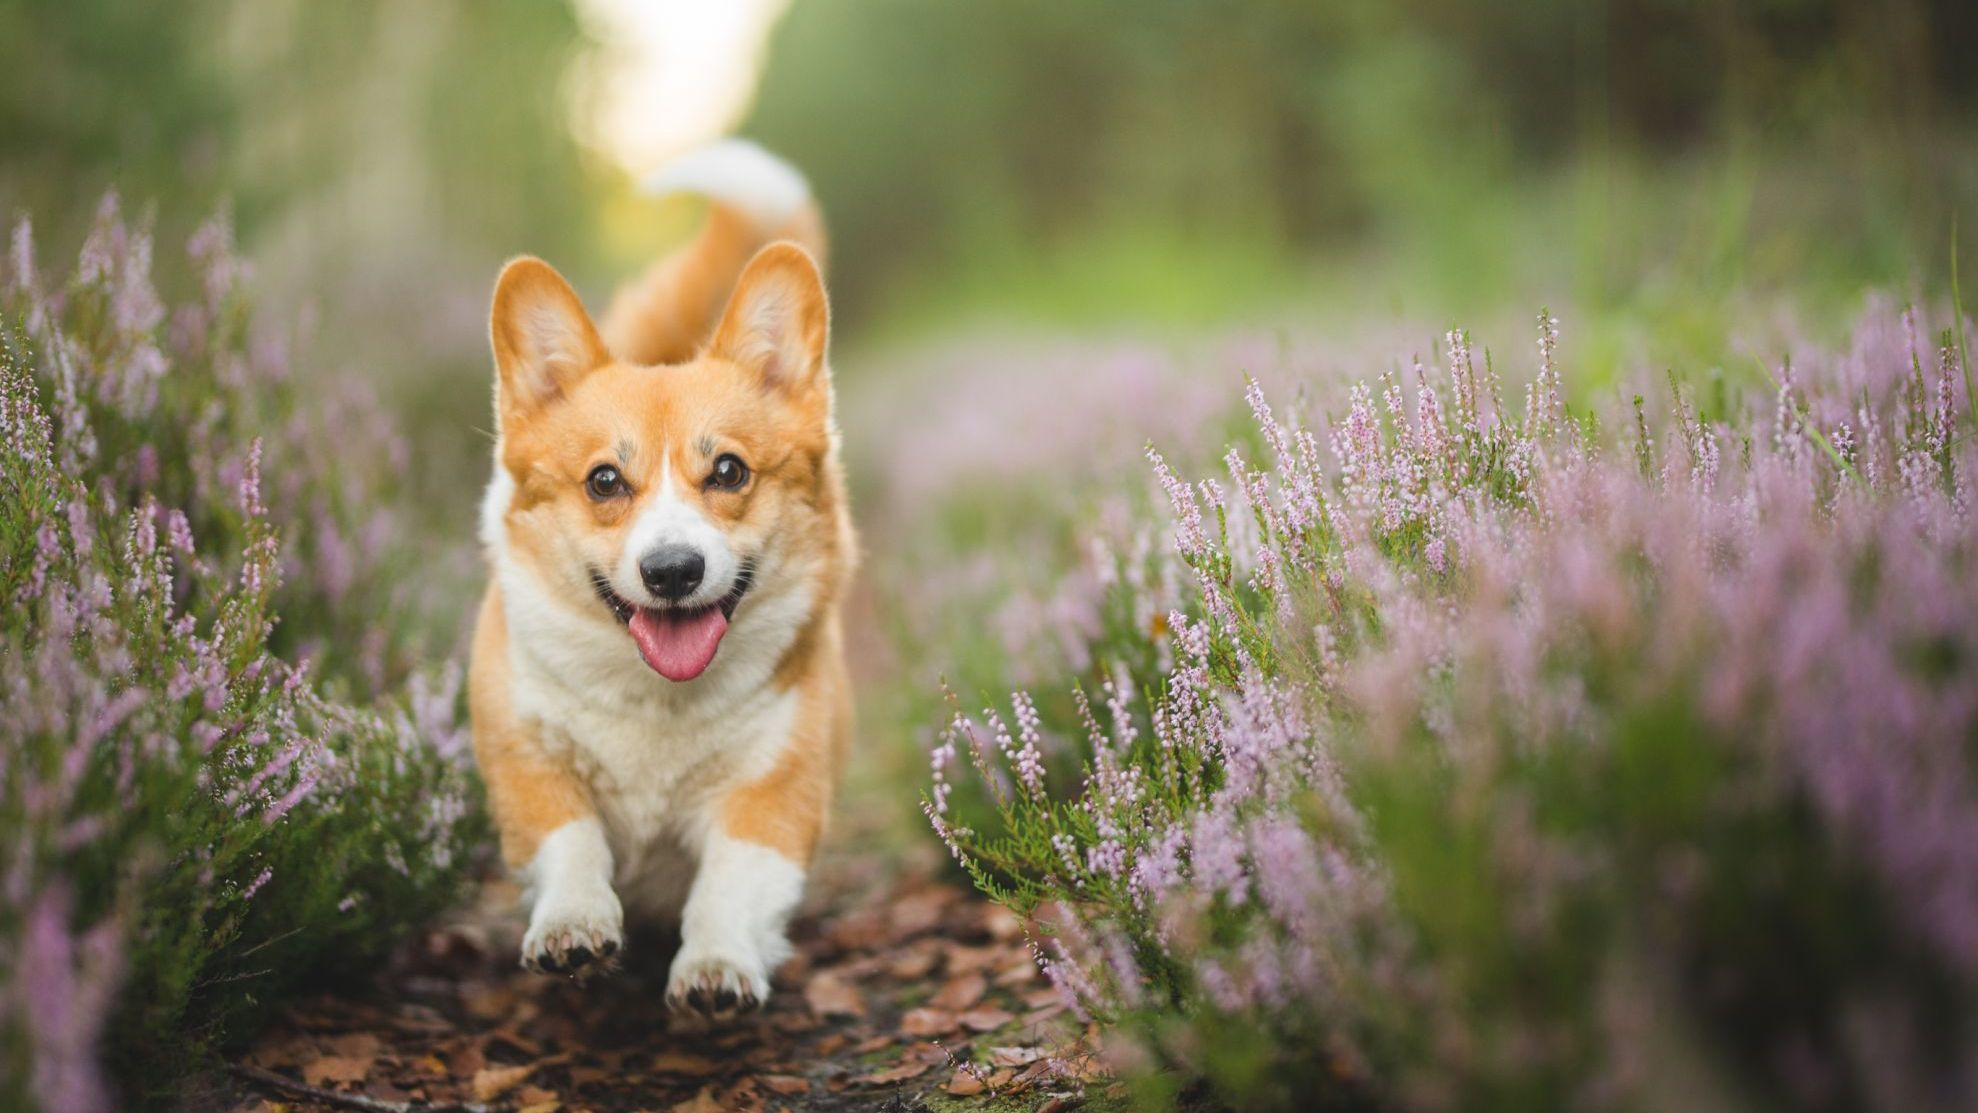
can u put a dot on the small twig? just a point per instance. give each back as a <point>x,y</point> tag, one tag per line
<point>286,1085</point>
<point>967,1067</point>
<point>242,976</point>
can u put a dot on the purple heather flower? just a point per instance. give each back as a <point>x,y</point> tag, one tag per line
<point>1029,758</point>
<point>254,886</point>
<point>67,985</point>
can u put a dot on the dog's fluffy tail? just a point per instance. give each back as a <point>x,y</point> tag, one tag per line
<point>754,198</point>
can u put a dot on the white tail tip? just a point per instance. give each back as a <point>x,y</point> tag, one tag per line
<point>738,173</point>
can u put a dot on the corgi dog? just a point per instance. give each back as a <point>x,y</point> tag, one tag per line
<point>659,695</point>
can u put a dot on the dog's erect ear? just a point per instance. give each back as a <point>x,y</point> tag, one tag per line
<point>543,340</point>
<point>778,323</point>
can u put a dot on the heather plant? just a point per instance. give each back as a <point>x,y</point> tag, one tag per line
<point>221,775</point>
<point>1500,755</point>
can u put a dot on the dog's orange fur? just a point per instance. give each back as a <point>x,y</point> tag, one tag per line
<point>663,316</point>
<point>597,395</point>
<point>785,810</point>
<point>531,794</point>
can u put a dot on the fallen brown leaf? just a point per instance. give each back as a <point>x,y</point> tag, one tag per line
<point>354,1045</point>
<point>1087,1067</point>
<point>965,1082</point>
<point>829,995</point>
<point>684,1063</point>
<point>962,960</point>
<point>793,1022</point>
<point>917,912</point>
<point>489,1003</point>
<point>420,1019</point>
<point>516,1040</point>
<point>959,993</point>
<point>743,1098</point>
<point>1035,1017</point>
<point>899,1073</point>
<point>986,1019</point>
<point>1001,923</point>
<point>913,964</point>
<point>1018,972</point>
<point>931,1052</point>
<point>788,1085</point>
<point>336,1068</point>
<point>284,1054</point>
<point>1015,1056</point>
<point>928,1022</point>
<point>492,1082</point>
<point>702,1102</point>
<point>466,1060</point>
<point>588,1076</point>
<point>859,931</point>
<point>1030,1075</point>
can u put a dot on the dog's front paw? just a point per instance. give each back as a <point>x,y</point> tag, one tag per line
<point>716,983</point>
<point>573,932</point>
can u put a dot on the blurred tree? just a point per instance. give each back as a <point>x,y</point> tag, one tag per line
<point>380,159</point>
<point>108,92</point>
<point>354,141</point>
<point>937,132</point>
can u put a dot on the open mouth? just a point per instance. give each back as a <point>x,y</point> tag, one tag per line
<point>678,643</point>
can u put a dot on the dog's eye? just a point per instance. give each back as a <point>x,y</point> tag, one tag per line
<point>604,482</point>
<point>729,473</point>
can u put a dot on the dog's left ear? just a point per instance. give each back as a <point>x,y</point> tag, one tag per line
<point>778,323</point>
<point>543,340</point>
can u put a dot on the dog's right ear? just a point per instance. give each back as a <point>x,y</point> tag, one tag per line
<point>543,340</point>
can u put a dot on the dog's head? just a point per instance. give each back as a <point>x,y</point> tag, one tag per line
<point>660,498</point>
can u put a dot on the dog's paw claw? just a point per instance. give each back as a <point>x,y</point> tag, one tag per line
<point>573,937</point>
<point>715,988</point>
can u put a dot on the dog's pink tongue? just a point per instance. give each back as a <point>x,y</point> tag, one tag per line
<point>678,645</point>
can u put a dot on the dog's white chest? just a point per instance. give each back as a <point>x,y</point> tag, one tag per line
<point>657,770</point>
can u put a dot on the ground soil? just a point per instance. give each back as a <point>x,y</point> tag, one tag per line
<point>907,992</point>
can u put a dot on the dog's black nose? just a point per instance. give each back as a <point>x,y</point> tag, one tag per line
<point>672,572</point>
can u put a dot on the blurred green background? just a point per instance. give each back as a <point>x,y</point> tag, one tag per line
<point>1651,169</point>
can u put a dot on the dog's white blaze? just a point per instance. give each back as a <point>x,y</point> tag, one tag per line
<point>671,519</point>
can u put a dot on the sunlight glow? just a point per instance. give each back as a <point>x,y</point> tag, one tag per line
<point>666,75</point>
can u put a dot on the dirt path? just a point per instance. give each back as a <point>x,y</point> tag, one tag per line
<point>900,977</point>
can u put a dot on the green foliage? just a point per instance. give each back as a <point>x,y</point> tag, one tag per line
<point>1501,766</point>
<point>1177,161</point>
<point>195,827</point>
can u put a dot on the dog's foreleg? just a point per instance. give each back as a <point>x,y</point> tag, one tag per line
<point>732,929</point>
<point>753,861</point>
<point>550,833</point>
<point>576,920</point>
